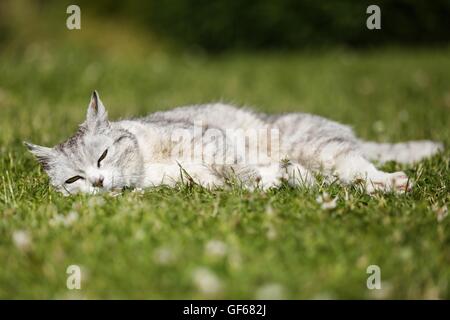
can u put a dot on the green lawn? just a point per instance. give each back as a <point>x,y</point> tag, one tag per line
<point>193,243</point>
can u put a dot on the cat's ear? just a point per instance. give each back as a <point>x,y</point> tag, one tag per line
<point>96,113</point>
<point>42,154</point>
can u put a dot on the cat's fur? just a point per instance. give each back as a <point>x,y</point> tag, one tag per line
<point>105,155</point>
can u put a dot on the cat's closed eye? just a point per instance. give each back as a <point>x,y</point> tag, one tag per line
<point>73,179</point>
<point>103,156</point>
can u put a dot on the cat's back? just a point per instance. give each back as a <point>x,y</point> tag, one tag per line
<point>218,115</point>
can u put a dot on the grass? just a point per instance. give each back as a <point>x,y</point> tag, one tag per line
<point>193,243</point>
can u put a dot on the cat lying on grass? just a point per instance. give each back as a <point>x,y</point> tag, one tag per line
<point>214,143</point>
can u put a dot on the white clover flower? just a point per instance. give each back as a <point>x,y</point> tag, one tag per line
<point>272,233</point>
<point>216,248</point>
<point>96,202</point>
<point>270,291</point>
<point>71,217</point>
<point>206,281</point>
<point>163,256</point>
<point>139,235</point>
<point>22,240</point>
<point>327,203</point>
<point>441,212</point>
<point>65,220</point>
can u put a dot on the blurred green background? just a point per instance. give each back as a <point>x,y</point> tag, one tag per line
<point>391,84</point>
<point>285,24</point>
<point>217,26</point>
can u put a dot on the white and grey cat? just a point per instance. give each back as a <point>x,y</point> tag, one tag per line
<point>104,155</point>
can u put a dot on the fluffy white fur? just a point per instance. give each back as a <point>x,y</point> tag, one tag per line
<point>146,152</point>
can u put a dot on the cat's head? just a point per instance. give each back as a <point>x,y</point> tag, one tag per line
<point>99,156</point>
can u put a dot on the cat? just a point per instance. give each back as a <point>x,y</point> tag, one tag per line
<point>157,150</point>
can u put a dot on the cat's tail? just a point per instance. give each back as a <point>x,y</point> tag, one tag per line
<point>405,152</point>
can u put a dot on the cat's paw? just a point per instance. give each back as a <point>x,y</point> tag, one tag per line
<point>400,182</point>
<point>397,182</point>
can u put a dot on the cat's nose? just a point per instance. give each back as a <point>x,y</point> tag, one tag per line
<point>98,183</point>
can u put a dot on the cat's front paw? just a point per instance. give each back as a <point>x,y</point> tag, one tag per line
<point>397,182</point>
